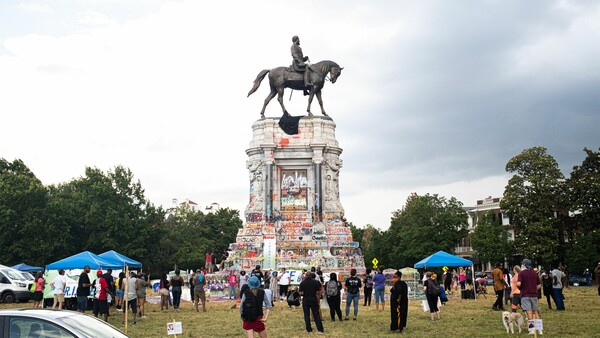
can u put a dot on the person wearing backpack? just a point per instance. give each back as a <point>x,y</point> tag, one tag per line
<point>432,292</point>
<point>334,299</point>
<point>352,285</point>
<point>199,295</point>
<point>310,289</point>
<point>251,308</point>
<point>368,289</point>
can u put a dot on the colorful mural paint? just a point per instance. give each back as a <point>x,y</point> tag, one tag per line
<point>294,188</point>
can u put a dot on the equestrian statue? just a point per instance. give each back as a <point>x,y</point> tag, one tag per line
<point>300,76</point>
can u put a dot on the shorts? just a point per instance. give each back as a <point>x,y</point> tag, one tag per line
<point>133,305</point>
<point>529,303</point>
<point>200,295</point>
<point>60,298</point>
<point>37,296</point>
<point>82,303</point>
<point>100,306</point>
<point>164,292</point>
<point>256,325</point>
<point>209,265</point>
<point>516,299</point>
<point>120,293</point>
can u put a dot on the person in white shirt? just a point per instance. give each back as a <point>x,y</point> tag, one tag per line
<point>557,289</point>
<point>131,296</point>
<point>58,286</point>
<point>284,283</point>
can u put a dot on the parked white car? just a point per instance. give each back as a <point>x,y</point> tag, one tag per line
<point>13,285</point>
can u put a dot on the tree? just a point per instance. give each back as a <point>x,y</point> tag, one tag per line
<point>534,200</point>
<point>490,240</point>
<point>23,197</point>
<point>424,226</point>
<point>584,202</point>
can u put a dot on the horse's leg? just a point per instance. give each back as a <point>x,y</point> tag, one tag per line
<point>267,100</point>
<point>310,98</point>
<point>321,103</point>
<point>280,99</point>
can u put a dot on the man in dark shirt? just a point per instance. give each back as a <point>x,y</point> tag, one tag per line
<point>256,272</point>
<point>529,282</point>
<point>310,289</point>
<point>110,280</point>
<point>83,289</point>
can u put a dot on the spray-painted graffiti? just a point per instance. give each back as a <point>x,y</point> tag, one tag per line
<point>255,218</point>
<point>338,231</point>
<point>294,185</point>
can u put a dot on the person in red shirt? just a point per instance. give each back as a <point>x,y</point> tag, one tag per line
<point>209,262</point>
<point>101,300</point>
<point>529,282</point>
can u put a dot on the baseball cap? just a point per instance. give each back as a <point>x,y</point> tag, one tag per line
<point>99,273</point>
<point>527,263</point>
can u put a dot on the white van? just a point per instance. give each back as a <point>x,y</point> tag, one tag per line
<point>13,285</point>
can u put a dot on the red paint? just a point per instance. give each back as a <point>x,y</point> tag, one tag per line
<point>284,142</point>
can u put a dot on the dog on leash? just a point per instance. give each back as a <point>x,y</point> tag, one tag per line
<point>510,319</point>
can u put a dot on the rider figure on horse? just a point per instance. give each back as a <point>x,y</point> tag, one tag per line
<point>299,64</point>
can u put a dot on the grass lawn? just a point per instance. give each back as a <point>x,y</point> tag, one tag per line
<point>467,318</point>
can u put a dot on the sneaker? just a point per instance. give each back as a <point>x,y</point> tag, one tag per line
<point>134,321</point>
<point>320,332</point>
<point>354,318</point>
<point>346,318</point>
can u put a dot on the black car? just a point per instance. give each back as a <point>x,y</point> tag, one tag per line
<point>577,280</point>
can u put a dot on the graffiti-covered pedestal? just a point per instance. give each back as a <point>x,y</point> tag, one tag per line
<point>294,218</point>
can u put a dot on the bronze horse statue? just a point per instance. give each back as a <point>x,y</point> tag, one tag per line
<point>283,77</point>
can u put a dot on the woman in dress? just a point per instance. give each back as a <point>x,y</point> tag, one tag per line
<point>398,304</point>
<point>273,286</point>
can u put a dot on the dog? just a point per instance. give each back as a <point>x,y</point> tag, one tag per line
<point>510,319</point>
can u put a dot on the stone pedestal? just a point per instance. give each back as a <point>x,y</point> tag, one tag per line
<point>294,218</point>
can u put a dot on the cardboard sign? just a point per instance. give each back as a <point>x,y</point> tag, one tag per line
<point>174,328</point>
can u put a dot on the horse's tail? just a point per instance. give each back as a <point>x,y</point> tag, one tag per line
<point>258,80</point>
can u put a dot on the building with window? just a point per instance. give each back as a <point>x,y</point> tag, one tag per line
<point>490,204</point>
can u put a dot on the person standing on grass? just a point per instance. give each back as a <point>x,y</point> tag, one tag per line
<point>176,285</point>
<point>557,286</point>
<point>462,278</point>
<point>119,291</point>
<point>447,278</point>
<point>432,299</point>
<point>368,288</point>
<point>273,285</point>
<point>515,293</point>
<point>508,290</point>
<point>260,300</point>
<point>499,286</point>
<point>58,285</point>
<point>333,290</point>
<point>398,303</point>
<point>83,289</point>
<point>142,284</point>
<point>164,291</point>
<point>38,295</point>
<point>547,288</point>
<point>199,294</point>
<point>232,282</point>
<point>310,290</point>
<point>102,291</point>
<point>284,283</point>
<point>379,284</point>
<point>352,286</point>
<point>528,282</point>
<point>131,296</point>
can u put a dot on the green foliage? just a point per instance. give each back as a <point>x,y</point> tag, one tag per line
<point>584,202</point>
<point>490,240</point>
<point>102,211</point>
<point>535,200</point>
<point>424,226</point>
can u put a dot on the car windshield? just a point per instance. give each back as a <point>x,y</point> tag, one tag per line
<point>92,327</point>
<point>13,274</point>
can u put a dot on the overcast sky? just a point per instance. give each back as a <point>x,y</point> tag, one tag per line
<point>435,96</point>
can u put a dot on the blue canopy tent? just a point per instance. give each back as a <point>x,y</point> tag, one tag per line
<point>27,268</point>
<point>116,257</point>
<point>82,259</point>
<point>442,258</point>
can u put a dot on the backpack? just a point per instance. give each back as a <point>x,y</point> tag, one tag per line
<point>32,287</point>
<point>434,289</point>
<point>332,288</point>
<point>249,307</point>
<point>369,282</point>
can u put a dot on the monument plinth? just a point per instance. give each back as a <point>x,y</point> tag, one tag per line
<point>294,217</point>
